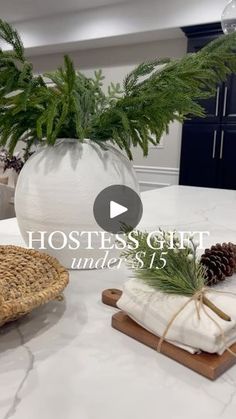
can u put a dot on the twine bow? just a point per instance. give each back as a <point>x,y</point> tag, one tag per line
<point>201,301</point>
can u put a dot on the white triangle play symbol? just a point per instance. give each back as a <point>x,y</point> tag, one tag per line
<point>116,209</point>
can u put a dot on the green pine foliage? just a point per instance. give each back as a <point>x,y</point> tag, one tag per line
<point>74,106</point>
<point>181,274</point>
<point>174,269</point>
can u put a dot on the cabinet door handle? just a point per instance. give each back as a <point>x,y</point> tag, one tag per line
<point>217,101</point>
<point>222,144</point>
<point>225,100</point>
<point>214,145</point>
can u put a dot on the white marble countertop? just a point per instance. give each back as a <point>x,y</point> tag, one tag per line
<point>64,361</point>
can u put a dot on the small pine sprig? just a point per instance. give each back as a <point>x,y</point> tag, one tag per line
<point>182,274</point>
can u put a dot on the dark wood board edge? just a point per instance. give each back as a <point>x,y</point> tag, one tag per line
<point>210,366</point>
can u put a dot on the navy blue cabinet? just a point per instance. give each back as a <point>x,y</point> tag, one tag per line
<point>227,157</point>
<point>208,152</point>
<point>208,156</point>
<point>229,101</point>
<point>213,108</point>
<point>199,156</point>
<point>199,36</point>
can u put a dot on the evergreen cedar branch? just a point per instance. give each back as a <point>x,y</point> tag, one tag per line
<point>74,106</point>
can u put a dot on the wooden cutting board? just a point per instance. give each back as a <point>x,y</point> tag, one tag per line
<point>209,365</point>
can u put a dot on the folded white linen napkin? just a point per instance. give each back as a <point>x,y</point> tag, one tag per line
<point>153,310</point>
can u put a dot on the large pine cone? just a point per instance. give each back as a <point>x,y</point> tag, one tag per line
<point>220,262</point>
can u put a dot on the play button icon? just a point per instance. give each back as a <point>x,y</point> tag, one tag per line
<point>117,207</point>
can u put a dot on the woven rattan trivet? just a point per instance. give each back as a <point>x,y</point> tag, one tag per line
<point>28,279</point>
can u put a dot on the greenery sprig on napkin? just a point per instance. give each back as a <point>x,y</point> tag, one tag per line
<point>74,106</point>
<point>181,273</point>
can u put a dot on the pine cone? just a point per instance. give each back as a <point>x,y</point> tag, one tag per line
<point>220,262</point>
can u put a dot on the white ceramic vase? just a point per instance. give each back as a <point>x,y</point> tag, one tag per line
<point>56,191</point>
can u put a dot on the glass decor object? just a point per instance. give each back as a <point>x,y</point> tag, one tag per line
<point>228,18</point>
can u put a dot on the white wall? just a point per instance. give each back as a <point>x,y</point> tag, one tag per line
<point>111,24</point>
<point>161,167</point>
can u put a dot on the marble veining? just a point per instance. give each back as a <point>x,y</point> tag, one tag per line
<point>17,399</point>
<point>65,361</point>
